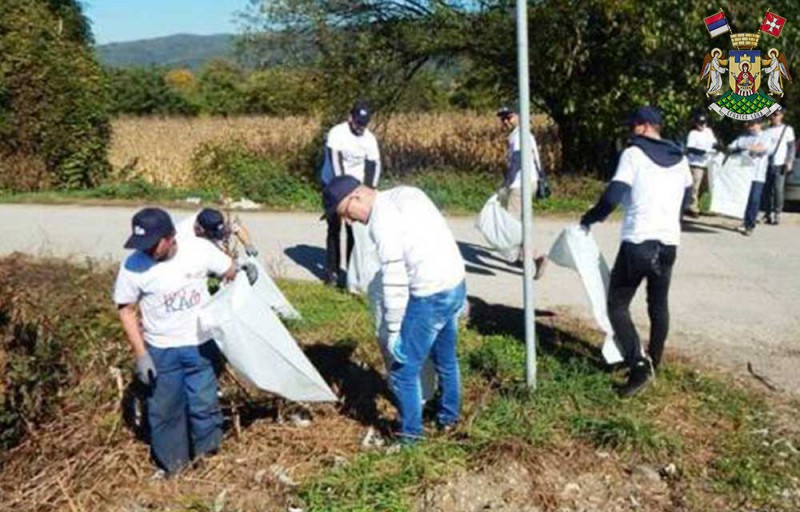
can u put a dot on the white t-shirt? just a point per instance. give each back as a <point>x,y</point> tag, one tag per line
<point>761,159</point>
<point>703,140</point>
<point>354,151</point>
<point>653,206</point>
<point>171,293</point>
<point>416,248</point>
<point>774,133</point>
<point>185,228</point>
<point>513,156</point>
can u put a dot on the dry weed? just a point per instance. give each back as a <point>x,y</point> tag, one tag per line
<point>160,150</point>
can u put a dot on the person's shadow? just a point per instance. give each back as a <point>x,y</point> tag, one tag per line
<point>480,260</point>
<point>309,257</point>
<point>499,319</point>
<point>704,227</point>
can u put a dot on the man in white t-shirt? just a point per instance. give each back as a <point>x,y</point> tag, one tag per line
<point>167,281</point>
<point>423,280</point>
<point>210,224</point>
<point>755,144</point>
<point>700,144</point>
<point>654,185</point>
<point>781,163</point>
<point>350,150</point>
<point>512,179</point>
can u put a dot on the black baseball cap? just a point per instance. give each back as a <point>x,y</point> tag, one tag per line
<point>700,117</point>
<point>504,112</point>
<point>335,191</point>
<point>361,113</point>
<point>148,227</point>
<point>213,223</point>
<point>646,115</point>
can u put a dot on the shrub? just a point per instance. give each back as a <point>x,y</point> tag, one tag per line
<point>237,172</point>
<point>52,96</point>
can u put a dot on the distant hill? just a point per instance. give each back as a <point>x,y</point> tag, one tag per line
<point>176,51</point>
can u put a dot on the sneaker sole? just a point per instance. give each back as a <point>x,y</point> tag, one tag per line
<point>639,390</point>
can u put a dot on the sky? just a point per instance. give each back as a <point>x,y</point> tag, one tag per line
<point>128,20</point>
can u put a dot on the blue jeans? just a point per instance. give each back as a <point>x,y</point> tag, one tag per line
<point>753,204</point>
<point>430,329</point>
<point>182,406</point>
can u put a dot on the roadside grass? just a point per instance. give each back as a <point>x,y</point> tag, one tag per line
<point>453,192</point>
<point>134,191</point>
<point>720,435</point>
<point>731,447</point>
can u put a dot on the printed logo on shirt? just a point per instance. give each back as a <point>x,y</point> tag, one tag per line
<point>181,300</point>
<point>745,67</point>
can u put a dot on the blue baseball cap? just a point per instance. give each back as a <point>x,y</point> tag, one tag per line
<point>213,223</point>
<point>148,227</point>
<point>646,115</point>
<point>335,191</point>
<point>361,113</point>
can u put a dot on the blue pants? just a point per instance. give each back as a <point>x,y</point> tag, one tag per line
<point>753,204</point>
<point>182,407</point>
<point>430,329</point>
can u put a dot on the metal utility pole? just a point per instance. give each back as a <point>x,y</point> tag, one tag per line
<point>527,192</point>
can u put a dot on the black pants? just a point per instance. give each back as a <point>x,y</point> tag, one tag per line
<point>333,245</point>
<point>651,261</point>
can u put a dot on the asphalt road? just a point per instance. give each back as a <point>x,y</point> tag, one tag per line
<point>734,299</point>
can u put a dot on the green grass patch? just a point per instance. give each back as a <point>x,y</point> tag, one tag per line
<point>701,422</point>
<point>130,191</point>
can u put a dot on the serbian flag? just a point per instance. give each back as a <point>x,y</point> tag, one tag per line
<point>773,24</point>
<point>717,24</point>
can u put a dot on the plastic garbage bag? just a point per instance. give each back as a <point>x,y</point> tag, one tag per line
<point>364,277</point>
<point>269,293</point>
<point>364,262</point>
<point>730,185</point>
<point>576,249</point>
<point>258,346</point>
<point>501,230</point>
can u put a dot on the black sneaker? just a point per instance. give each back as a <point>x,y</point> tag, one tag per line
<point>640,377</point>
<point>332,279</point>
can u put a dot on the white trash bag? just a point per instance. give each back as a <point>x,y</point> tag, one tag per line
<point>730,185</point>
<point>266,290</point>
<point>258,346</point>
<point>500,229</point>
<point>364,262</point>
<point>364,277</point>
<point>577,250</point>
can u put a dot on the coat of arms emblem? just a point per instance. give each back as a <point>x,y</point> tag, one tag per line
<point>746,67</point>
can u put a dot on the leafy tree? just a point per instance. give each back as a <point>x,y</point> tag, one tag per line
<point>282,92</point>
<point>221,88</point>
<point>145,91</point>
<point>181,80</point>
<point>363,49</point>
<point>591,61</point>
<point>54,126</point>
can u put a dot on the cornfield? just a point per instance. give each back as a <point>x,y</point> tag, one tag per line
<point>161,150</point>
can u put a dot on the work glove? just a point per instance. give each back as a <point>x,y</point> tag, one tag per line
<point>146,370</point>
<point>251,271</point>
<point>251,250</point>
<point>393,344</point>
